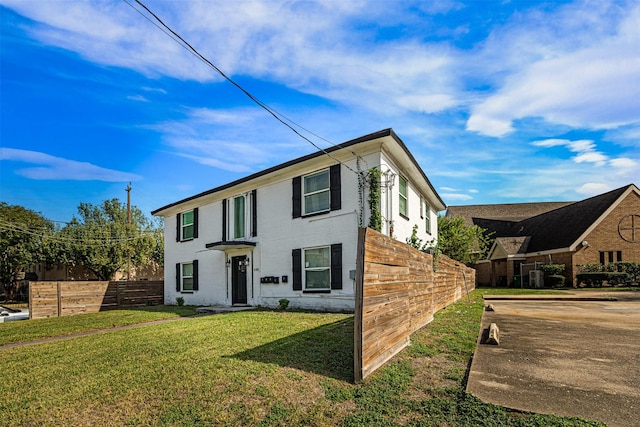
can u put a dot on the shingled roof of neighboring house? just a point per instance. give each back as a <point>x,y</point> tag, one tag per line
<point>556,229</point>
<point>504,212</point>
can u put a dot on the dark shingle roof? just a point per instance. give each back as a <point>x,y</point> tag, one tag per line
<point>556,229</point>
<point>561,227</point>
<point>504,212</point>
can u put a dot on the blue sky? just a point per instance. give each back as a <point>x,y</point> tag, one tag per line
<point>500,102</point>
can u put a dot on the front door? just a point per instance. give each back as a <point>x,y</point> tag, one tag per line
<point>239,279</point>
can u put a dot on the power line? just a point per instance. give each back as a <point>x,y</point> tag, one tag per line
<point>278,116</point>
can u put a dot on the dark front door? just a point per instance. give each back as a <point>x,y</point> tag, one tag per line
<point>239,280</point>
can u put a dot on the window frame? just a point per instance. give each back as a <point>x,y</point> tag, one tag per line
<point>243,221</point>
<point>326,190</point>
<point>427,216</point>
<point>404,197</point>
<point>183,276</point>
<point>184,226</point>
<point>323,268</point>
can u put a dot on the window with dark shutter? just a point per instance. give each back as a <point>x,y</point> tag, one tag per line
<point>334,178</point>
<point>195,274</point>
<point>254,213</point>
<point>296,256</point>
<point>178,227</point>
<point>195,223</point>
<point>336,266</point>
<point>224,220</point>
<point>297,196</point>
<point>178,277</point>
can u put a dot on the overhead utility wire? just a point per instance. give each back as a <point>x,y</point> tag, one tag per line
<point>278,116</point>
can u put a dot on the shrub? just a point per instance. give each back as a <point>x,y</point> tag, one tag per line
<point>180,301</point>
<point>283,304</point>
<point>597,279</point>
<point>619,273</point>
<point>552,269</point>
<point>555,281</point>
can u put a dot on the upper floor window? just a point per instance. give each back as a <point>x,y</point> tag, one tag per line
<point>317,192</point>
<point>403,196</point>
<point>187,225</point>
<point>427,217</point>
<point>239,217</point>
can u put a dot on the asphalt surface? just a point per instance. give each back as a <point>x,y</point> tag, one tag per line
<point>571,356</point>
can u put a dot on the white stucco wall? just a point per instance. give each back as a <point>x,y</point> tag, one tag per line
<point>279,234</point>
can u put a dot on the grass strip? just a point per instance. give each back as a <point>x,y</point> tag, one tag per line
<point>29,330</point>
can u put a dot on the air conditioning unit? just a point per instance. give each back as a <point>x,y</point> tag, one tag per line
<point>536,279</point>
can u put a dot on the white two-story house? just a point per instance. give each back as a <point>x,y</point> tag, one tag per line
<point>291,231</point>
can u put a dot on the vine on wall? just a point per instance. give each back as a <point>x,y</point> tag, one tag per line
<point>375,220</point>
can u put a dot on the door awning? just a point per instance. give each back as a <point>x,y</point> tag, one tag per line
<point>229,245</point>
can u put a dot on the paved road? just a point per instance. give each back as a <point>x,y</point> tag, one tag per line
<point>566,357</point>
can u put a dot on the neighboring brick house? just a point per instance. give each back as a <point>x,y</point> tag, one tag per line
<point>291,231</point>
<point>601,229</point>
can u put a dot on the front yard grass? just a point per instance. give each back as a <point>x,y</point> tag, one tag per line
<point>22,331</point>
<point>255,368</point>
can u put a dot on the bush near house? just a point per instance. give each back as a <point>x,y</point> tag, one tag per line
<point>611,274</point>
<point>553,276</point>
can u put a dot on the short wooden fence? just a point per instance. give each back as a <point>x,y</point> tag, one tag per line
<point>397,293</point>
<point>56,299</point>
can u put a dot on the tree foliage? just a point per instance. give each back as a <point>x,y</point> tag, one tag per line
<point>101,239</point>
<point>24,241</point>
<point>459,241</point>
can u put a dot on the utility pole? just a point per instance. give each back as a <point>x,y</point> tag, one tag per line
<point>128,189</point>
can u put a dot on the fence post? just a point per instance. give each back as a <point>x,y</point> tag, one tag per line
<point>59,298</point>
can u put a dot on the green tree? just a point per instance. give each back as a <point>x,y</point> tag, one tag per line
<point>459,241</point>
<point>24,241</point>
<point>102,239</point>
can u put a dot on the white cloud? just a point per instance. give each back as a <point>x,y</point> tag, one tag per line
<point>582,80</point>
<point>138,98</point>
<point>57,168</point>
<point>593,189</point>
<point>585,149</point>
<point>455,196</point>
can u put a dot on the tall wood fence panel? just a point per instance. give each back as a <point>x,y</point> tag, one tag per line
<point>397,293</point>
<point>55,299</point>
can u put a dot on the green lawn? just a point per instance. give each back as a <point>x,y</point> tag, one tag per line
<point>254,368</point>
<point>21,331</point>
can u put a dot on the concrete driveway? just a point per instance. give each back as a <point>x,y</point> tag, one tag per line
<point>573,356</point>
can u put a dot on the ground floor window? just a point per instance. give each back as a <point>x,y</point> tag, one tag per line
<point>317,268</point>
<point>610,256</point>
<point>187,276</point>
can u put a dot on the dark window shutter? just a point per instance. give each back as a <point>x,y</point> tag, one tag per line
<point>178,227</point>
<point>334,180</point>
<point>297,197</point>
<point>178,277</point>
<point>601,257</point>
<point>254,213</point>
<point>296,256</point>
<point>336,266</point>
<point>619,256</point>
<point>195,223</point>
<point>224,220</point>
<point>195,274</point>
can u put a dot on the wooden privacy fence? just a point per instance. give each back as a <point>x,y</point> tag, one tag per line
<point>397,293</point>
<point>56,299</point>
